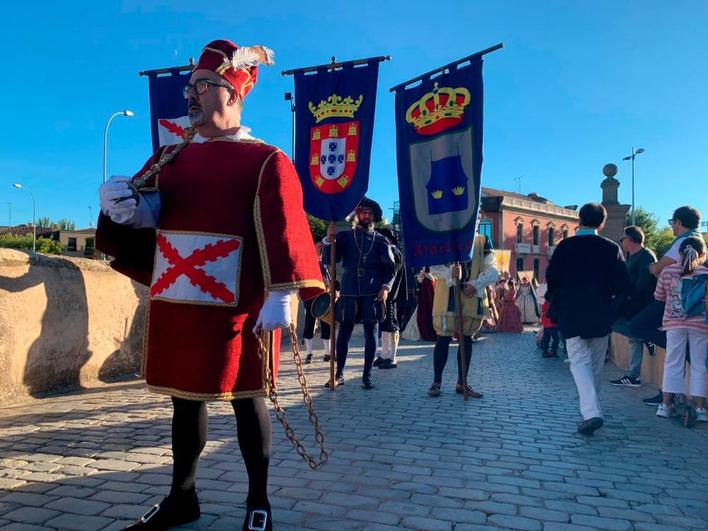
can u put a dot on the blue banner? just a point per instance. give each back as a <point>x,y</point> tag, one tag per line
<point>168,108</point>
<point>334,117</point>
<point>439,154</point>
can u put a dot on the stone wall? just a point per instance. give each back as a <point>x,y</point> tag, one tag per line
<point>652,366</point>
<point>65,322</point>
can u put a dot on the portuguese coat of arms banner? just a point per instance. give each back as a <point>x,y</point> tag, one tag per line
<point>439,154</point>
<point>334,117</point>
<point>168,108</point>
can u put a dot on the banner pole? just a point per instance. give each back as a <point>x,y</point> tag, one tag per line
<point>333,65</point>
<point>447,66</point>
<point>332,295</point>
<point>460,322</point>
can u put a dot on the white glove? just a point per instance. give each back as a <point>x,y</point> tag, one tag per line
<point>276,311</point>
<point>110,192</point>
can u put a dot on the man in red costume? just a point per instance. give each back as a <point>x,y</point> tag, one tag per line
<point>216,227</point>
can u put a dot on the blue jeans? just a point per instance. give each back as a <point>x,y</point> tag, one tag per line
<point>636,347</point>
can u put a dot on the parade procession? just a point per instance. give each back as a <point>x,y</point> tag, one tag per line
<point>240,242</point>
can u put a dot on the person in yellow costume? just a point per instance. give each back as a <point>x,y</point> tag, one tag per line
<point>475,275</point>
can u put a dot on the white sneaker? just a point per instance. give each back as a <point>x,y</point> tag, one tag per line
<point>664,411</point>
<point>701,414</point>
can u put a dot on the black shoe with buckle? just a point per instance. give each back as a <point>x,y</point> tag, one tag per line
<point>326,357</point>
<point>308,359</point>
<point>258,519</point>
<point>434,390</point>
<point>366,383</point>
<point>170,512</point>
<point>378,361</point>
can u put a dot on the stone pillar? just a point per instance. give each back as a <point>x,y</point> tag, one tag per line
<point>616,213</point>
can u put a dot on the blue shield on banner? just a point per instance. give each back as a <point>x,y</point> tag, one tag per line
<point>439,153</point>
<point>334,117</point>
<point>168,108</point>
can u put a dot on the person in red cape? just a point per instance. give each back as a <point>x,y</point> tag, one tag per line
<point>218,232</point>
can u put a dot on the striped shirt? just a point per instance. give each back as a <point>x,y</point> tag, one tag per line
<point>668,289</point>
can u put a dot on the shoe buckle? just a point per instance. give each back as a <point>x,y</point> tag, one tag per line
<point>150,514</point>
<point>257,520</point>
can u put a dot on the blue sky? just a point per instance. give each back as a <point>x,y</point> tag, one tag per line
<point>576,86</point>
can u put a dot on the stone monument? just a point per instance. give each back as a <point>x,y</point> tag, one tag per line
<point>616,213</point>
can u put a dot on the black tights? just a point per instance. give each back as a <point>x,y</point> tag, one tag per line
<point>189,435</point>
<point>442,346</point>
<point>345,334</point>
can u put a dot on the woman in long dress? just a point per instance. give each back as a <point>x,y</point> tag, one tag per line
<point>424,315</point>
<point>510,317</point>
<point>527,303</point>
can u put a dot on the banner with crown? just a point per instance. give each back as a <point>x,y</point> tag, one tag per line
<point>439,153</point>
<point>168,108</point>
<point>334,117</point>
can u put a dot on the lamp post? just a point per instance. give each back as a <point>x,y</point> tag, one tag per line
<point>90,216</point>
<point>127,113</point>
<point>632,157</point>
<point>34,214</point>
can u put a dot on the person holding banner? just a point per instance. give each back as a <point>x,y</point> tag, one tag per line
<point>199,217</point>
<point>478,273</point>
<point>369,268</point>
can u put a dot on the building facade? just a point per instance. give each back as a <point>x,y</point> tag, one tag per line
<point>529,226</point>
<point>80,243</point>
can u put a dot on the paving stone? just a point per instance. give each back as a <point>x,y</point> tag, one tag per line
<point>515,522</point>
<point>420,522</point>
<point>30,515</point>
<point>545,515</point>
<point>79,523</point>
<point>459,515</point>
<point>600,522</point>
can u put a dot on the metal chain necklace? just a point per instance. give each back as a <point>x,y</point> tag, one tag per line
<point>363,254</point>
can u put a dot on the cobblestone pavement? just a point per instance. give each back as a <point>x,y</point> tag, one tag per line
<point>398,459</point>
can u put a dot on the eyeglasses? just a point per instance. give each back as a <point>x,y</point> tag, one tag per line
<point>671,221</point>
<point>200,87</point>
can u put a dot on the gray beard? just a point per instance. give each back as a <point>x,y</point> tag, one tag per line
<point>196,118</point>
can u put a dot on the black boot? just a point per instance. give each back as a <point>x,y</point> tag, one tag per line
<point>258,518</point>
<point>170,512</point>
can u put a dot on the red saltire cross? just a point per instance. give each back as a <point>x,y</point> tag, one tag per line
<point>188,266</point>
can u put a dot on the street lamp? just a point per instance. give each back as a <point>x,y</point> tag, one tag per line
<point>34,214</point>
<point>632,157</point>
<point>90,216</point>
<point>105,136</point>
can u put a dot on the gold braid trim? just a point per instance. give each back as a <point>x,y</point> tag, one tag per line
<point>258,223</point>
<point>256,393</point>
<point>297,285</point>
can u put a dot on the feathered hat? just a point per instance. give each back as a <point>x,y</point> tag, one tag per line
<point>236,64</point>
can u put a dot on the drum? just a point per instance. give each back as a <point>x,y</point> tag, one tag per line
<point>320,308</point>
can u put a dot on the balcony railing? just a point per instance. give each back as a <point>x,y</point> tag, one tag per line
<point>523,248</point>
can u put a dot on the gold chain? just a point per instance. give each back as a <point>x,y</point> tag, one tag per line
<point>165,158</point>
<point>280,412</point>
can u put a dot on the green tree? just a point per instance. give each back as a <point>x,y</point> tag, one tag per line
<point>318,227</point>
<point>65,224</point>
<point>44,222</point>
<point>43,245</point>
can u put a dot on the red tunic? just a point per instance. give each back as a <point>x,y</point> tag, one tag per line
<point>232,227</point>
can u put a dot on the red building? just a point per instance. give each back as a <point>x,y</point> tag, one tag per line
<point>529,226</point>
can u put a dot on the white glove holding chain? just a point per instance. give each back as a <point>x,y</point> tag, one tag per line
<point>111,192</point>
<point>276,312</point>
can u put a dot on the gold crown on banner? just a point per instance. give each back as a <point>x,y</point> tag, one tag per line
<point>438,110</point>
<point>335,106</point>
